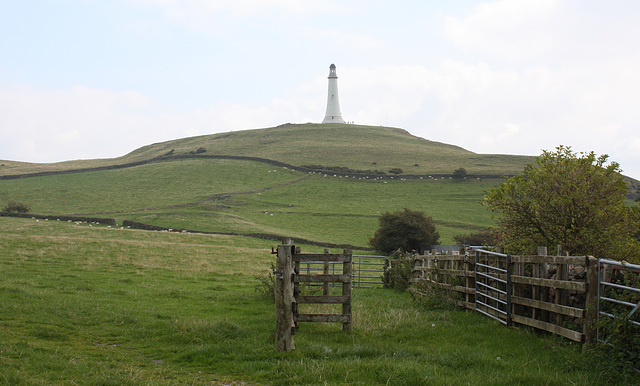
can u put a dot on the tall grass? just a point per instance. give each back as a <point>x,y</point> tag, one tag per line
<point>115,306</point>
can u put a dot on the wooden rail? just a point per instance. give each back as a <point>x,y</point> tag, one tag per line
<point>555,302</point>
<point>289,297</point>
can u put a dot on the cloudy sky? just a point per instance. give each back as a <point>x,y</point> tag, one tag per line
<point>97,79</point>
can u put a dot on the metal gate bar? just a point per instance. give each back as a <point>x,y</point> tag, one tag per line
<point>602,283</point>
<point>488,290</point>
<point>366,274</point>
<point>601,289</point>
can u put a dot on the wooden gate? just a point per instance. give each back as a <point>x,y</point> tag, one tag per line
<point>288,296</point>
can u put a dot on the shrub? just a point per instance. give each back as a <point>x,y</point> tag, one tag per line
<point>484,237</point>
<point>460,173</point>
<point>200,150</point>
<point>406,230</point>
<point>618,353</point>
<point>398,276</point>
<point>576,200</point>
<point>431,296</point>
<point>16,207</point>
<point>395,171</point>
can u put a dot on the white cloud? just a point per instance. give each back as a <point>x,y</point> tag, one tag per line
<point>242,7</point>
<point>512,30</point>
<point>44,125</point>
<point>47,125</point>
<point>224,16</point>
<point>343,41</point>
<point>547,32</point>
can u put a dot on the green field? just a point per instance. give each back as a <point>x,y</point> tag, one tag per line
<point>85,305</point>
<point>249,196</point>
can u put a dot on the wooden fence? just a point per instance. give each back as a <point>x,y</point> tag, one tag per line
<point>557,294</point>
<point>288,295</point>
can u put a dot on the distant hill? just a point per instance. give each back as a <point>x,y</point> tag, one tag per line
<point>332,146</point>
<point>266,181</point>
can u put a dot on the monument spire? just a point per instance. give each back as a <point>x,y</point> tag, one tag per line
<point>333,114</point>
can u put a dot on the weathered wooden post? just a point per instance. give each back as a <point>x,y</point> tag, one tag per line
<point>467,274</point>
<point>284,297</point>
<point>347,269</point>
<point>325,285</point>
<point>591,314</point>
<point>542,293</point>
<point>562,295</point>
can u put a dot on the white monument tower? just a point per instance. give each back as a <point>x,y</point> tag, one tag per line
<point>333,114</point>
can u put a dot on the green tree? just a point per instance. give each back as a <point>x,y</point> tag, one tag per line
<point>407,230</point>
<point>460,173</point>
<point>564,198</point>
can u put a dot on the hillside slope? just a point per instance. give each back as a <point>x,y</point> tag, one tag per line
<point>330,145</point>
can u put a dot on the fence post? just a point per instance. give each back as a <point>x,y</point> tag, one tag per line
<point>475,282</point>
<point>542,293</point>
<point>347,269</point>
<point>284,298</point>
<point>509,289</point>
<point>591,314</point>
<point>325,285</point>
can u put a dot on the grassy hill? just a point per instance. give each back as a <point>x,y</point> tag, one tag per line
<point>352,146</point>
<point>250,196</point>
<point>240,195</point>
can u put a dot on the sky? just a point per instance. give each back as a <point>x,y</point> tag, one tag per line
<point>84,79</point>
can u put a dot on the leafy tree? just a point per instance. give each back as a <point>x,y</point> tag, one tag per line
<point>407,230</point>
<point>564,198</point>
<point>460,173</point>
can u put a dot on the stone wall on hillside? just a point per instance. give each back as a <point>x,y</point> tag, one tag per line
<point>94,220</point>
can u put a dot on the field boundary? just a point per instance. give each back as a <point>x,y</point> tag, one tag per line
<point>149,227</point>
<point>556,294</point>
<point>244,158</point>
<point>266,236</point>
<point>99,220</point>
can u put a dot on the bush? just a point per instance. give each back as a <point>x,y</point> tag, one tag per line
<point>619,351</point>
<point>16,207</point>
<point>460,173</point>
<point>617,358</point>
<point>406,230</point>
<point>200,150</point>
<point>576,200</point>
<point>430,296</point>
<point>484,237</point>
<point>398,276</point>
<point>395,171</point>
